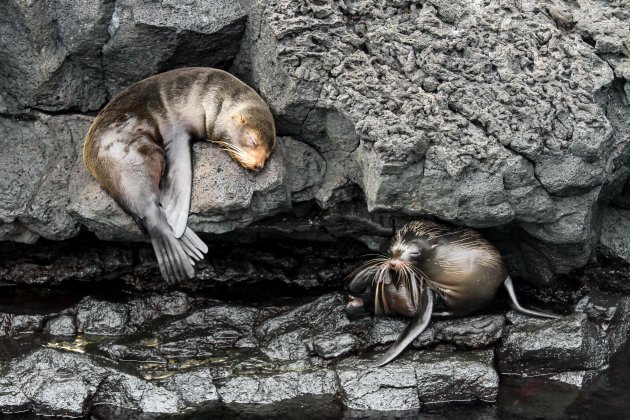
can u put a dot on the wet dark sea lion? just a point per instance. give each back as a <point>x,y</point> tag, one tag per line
<point>139,149</point>
<point>427,259</point>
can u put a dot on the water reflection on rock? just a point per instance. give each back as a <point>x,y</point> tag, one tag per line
<point>172,352</point>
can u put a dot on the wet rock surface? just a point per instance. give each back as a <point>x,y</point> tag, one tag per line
<point>278,264</point>
<point>172,352</point>
<point>579,342</point>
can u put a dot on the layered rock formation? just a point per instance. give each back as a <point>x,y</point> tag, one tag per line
<point>510,117</point>
<point>169,353</point>
<point>507,117</point>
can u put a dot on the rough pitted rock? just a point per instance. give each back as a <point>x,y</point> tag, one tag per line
<point>102,318</point>
<point>499,123</point>
<point>330,346</point>
<point>62,325</point>
<point>50,382</point>
<point>166,35</point>
<point>469,332</point>
<point>450,106</point>
<point>583,341</point>
<point>278,387</point>
<point>611,313</point>
<point>38,157</point>
<point>12,325</point>
<point>291,335</point>
<point>50,54</point>
<point>391,387</point>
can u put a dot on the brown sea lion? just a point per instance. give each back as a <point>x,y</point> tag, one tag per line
<point>426,259</point>
<point>139,149</point>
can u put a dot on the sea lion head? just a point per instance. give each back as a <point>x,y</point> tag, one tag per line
<point>250,137</point>
<point>391,284</point>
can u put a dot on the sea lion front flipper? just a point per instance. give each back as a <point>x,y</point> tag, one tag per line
<point>176,183</point>
<point>418,324</point>
<point>509,286</point>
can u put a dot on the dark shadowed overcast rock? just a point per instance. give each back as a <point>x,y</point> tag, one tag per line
<point>171,352</point>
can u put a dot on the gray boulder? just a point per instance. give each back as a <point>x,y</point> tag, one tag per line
<point>50,55</point>
<point>532,346</point>
<point>67,55</point>
<point>614,240</point>
<point>166,35</point>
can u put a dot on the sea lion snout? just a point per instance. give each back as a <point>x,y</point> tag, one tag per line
<point>255,160</point>
<point>393,263</point>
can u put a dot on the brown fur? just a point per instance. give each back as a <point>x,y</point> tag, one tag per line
<point>125,147</point>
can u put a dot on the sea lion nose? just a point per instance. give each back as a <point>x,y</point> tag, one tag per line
<point>392,263</point>
<point>257,165</point>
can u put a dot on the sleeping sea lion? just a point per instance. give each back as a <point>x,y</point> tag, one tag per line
<point>139,149</point>
<point>427,259</point>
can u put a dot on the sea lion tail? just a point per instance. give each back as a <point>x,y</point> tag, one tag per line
<point>509,286</point>
<point>174,262</point>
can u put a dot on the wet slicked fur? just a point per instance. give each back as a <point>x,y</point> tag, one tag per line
<point>428,259</point>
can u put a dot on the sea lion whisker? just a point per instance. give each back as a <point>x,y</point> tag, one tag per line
<point>230,148</point>
<point>413,285</point>
<point>228,145</point>
<point>378,299</point>
<point>378,254</point>
<point>419,273</point>
<point>385,305</point>
<point>406,271</point>
<point>382,273</point>
<point>365,265</point>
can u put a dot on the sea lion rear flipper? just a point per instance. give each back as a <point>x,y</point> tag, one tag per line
<point>172,258</point>
<point>418,324</point>
<point>176,183</point>
<point>193,246</point>
<point>517,306</point>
